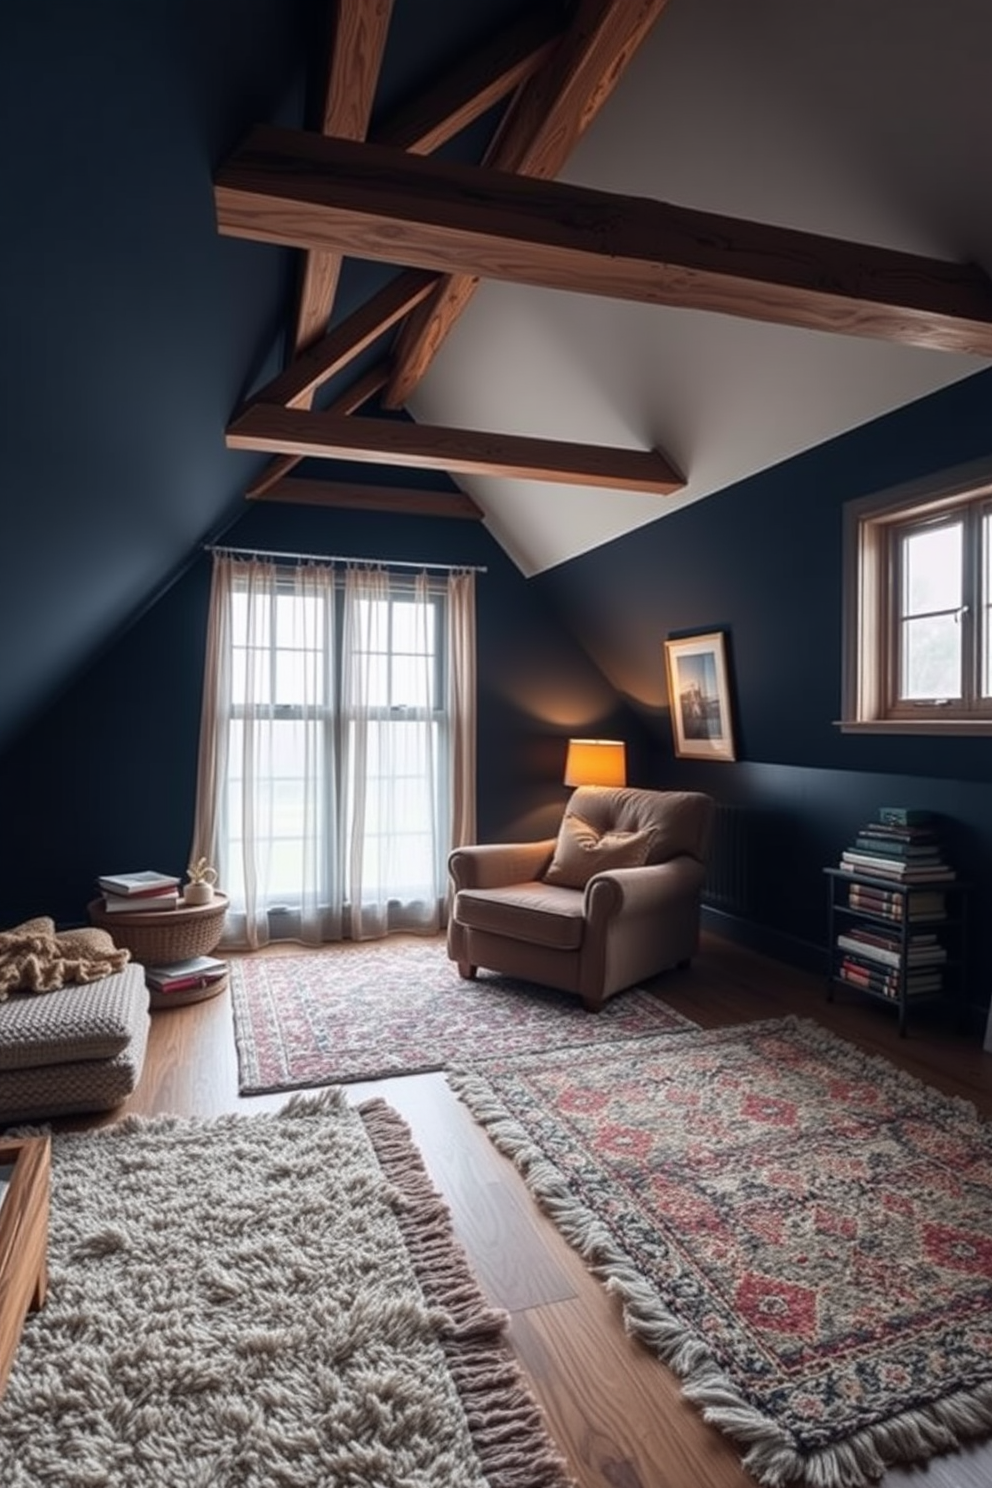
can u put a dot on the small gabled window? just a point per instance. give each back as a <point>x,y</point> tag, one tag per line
<point>918,609</point>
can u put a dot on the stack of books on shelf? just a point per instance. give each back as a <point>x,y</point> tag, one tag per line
<point>902,845</point>
<point>139,893</point>
<point>890,904</point>
<point>182,976</point>
<point>873,960</point>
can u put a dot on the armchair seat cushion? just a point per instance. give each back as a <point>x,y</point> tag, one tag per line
<point>540,913</point>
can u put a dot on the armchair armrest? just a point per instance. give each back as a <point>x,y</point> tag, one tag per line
<point>491,865</point>
<point>636,891</point>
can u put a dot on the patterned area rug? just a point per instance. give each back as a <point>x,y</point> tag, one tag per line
<point>365,1013</point>
<point>804,1233</point>
<point>263,1300</point>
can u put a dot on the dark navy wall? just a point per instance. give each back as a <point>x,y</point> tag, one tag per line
<point>104,780</point>
<point>131,328</point>
<point>762,560</point>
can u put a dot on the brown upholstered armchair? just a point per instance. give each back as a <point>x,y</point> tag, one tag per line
<point>613,899</point>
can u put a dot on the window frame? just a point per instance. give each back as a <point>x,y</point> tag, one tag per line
<point>326,720</point>
<point>333,719</point>
<point>870,588</point>
<point>400,587</point>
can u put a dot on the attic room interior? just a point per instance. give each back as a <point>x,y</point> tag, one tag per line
<point>578,366</point>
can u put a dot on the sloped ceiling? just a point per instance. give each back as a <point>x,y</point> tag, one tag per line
<point>134,330</point>
<point>866,122</point>
<point>774,113</point>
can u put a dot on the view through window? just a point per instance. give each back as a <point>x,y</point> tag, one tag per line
<point>338,721</point>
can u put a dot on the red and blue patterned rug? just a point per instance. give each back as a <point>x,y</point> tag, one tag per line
<point>801,1231</point>
<point>366,1012</point>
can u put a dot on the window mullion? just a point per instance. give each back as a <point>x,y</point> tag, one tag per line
<point>890,607</point>
<point>970,617</point>
<point>981,579</point>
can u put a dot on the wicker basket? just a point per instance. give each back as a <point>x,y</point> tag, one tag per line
<point>160,937</point>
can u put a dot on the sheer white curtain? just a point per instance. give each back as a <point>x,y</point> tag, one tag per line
<point>337,750</point>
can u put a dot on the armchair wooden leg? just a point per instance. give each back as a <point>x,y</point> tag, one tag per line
<point>467,970</point>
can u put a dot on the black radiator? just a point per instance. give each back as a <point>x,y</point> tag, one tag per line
<point>725,885</point>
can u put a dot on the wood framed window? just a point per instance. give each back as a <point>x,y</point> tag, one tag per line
<point>338,751</point>
<point>918,607</point>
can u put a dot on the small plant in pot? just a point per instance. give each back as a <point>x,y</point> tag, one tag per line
<point>200,889</point>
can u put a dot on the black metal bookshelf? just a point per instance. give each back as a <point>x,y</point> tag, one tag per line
<point>889,978</point>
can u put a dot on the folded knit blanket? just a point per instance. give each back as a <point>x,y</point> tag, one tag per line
<point>34,958</point>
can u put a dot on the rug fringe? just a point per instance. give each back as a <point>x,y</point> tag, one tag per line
<point>857,1462</point>
<point>506,1424</point>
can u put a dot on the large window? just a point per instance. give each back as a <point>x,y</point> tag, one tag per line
<point>280,743</point>
<point>397,742</point>
<point>335,766</point>
<point>918,595</point>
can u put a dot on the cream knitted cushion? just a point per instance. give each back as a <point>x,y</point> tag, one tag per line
<point>95,1020</point>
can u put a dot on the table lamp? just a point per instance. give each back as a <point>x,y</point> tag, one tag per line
<point>596,762</point>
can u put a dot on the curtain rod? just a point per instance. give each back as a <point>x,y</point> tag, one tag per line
<point>341,558</point>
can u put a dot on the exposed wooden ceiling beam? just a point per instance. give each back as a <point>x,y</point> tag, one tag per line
<point>554,110</point>
<point>295,431</point>
<point>296,385</point>
<point>359,40</point>
<point>474,85</point>
<point>424,125</point>
<point>284,186</point>
<point>537,135</point>
<point>408,499</point>
<point>370,383</point>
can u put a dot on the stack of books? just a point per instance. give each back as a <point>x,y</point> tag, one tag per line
<point>901,845</point>
<point>139,892</point>
<point>890,904</point>
<point>182,976</point>
<point>873,960</point>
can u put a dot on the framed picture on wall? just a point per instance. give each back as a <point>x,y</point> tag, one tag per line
<point>702,727</point>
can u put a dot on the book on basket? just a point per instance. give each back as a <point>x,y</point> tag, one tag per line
<point>143,884</point>
<point>195,971</point>
<point>140,903</point>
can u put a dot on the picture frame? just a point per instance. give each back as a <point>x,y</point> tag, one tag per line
<point>699,696</point>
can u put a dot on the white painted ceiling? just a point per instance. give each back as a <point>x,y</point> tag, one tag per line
<point>858,119</point>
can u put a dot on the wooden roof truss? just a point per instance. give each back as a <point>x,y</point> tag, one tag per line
<point>379,195</point>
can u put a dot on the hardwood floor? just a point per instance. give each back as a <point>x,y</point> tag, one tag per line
<point>615,1411</point>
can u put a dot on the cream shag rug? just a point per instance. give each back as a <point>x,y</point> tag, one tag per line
<point>268,1301</point>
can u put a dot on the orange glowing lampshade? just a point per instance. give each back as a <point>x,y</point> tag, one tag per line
<point>596,762</point>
